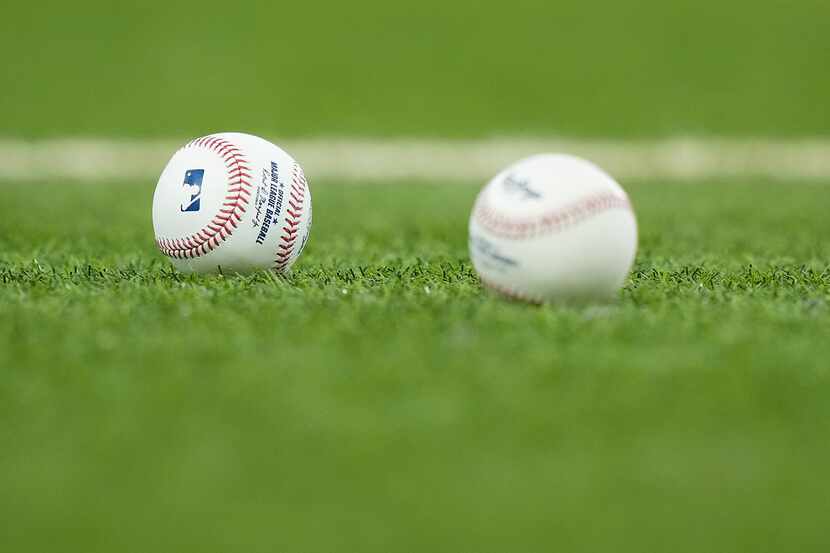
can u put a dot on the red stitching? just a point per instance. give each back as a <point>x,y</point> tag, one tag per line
<point>239,173</point>
<point>509,292</point>
<point>223,224</point>
<point>293,217</point>
<point>551,222</point>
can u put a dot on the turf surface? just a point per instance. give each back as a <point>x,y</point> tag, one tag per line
<point>379,400</point>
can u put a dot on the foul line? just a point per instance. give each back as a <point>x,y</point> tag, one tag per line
<point>434,160</point>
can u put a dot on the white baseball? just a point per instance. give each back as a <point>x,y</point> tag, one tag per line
<point>232,202</point>
<point>553,228</point>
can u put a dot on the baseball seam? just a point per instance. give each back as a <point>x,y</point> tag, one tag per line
<point>552,222</point>
<point>230,213</point>
<point>293,217</point>
<point>510,293</point>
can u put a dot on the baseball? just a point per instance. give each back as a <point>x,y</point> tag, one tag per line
<point>232,202</point>
<point>553,228</point>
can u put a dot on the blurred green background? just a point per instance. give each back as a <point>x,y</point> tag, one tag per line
<point>428,68</point>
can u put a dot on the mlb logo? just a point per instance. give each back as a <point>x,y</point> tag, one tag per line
<point>193,188</point>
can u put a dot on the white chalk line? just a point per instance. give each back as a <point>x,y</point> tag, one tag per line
<point>361,159</point>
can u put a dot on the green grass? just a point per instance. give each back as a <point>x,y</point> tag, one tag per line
<point>379,400</point>
<point>431,68</point>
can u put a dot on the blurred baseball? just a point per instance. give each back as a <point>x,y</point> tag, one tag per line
<point>232,202</point>
<point>553,228</point>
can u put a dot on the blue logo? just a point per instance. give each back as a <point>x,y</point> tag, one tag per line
<point>193,187</point>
